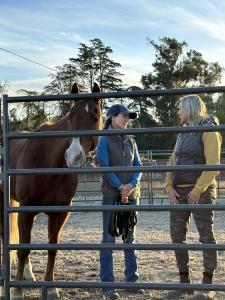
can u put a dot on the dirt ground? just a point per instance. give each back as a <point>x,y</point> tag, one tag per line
<point>154,266</point>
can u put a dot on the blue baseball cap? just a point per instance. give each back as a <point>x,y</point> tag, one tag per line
<point>120,109</point>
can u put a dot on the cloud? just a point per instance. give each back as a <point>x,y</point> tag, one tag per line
<point>71,37</point>
<point>34,84</point>
<point>49,32</point>
<point>131,77</point>
<point>214,29</point>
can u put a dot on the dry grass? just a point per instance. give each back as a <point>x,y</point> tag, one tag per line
<point>153,227</point>
<point>154,266</point>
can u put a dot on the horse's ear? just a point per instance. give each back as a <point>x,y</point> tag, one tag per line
<point>96,89</point>
<point>75,89</point>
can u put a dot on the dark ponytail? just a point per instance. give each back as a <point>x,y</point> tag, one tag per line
<point>108,122</point>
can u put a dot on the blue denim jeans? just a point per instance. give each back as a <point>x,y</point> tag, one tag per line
<point>106,256</point>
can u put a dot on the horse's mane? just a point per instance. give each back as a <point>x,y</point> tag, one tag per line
<point>44,127</point>
<point>50,125</point>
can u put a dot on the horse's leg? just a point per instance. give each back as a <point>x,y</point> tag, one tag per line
<point>28,271</point>
<point>55,225</point>
<point>25,223</point>
<point>13,228</point>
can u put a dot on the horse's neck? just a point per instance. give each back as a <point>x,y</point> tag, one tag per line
<point>56,146</point>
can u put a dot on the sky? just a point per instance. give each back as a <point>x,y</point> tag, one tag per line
<point>49,32</point>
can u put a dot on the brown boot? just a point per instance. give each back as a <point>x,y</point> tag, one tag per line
<point>207,279</point>
<point>207,295</point>
<point>184,278</point>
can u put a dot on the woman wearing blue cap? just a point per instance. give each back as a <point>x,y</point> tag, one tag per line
<point>118,151</point>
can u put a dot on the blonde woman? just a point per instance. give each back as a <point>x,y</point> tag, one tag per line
<point>194,187</point>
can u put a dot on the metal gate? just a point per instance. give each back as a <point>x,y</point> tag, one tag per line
<point>7,283</point>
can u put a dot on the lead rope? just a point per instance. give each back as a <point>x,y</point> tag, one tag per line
<point>122,222</point>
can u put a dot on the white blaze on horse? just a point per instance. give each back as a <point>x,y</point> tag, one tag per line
<point>47,190</point>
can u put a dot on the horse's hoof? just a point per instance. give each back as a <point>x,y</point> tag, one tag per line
<point>28,272</point>
<point>29,276</point>
<point>16,294</point>
<point>53,294</point>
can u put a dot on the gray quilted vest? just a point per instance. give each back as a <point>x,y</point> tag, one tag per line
<point>121,153</point>
<point>189,150</point>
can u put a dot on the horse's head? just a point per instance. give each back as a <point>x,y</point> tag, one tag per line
<point>84,115</point>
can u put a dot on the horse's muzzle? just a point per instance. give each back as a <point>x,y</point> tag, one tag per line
<point>74,161</point>
<point>74,155</point>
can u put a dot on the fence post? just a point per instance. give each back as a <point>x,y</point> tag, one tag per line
<point>6,254</point>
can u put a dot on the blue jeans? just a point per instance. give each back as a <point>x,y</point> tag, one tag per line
<point>106,256</point>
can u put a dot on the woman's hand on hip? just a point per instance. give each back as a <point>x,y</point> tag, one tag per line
<point>192,198</point>
<point>173,195</point>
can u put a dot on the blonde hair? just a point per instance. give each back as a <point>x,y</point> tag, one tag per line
<point>193,107</point>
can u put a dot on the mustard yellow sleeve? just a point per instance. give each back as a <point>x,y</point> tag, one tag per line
<point>169,175</point>
<point>212,146</point>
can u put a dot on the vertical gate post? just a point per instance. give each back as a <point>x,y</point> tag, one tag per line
<point>6,254</point>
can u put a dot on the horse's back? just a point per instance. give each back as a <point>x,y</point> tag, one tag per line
<point>18,156</point>
<point>16,152</point>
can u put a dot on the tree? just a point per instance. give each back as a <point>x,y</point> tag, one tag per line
<point>3,87</point>
<point>27,115</point>
<point>3,90</point>
<point>63,80</point>
<point>94,64</point>
<point>61,84</point>
<point>176,67</point>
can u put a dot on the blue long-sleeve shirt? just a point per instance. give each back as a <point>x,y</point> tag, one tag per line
<point>103,160</point>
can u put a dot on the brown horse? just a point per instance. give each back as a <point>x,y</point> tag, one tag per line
<point>49,189</point>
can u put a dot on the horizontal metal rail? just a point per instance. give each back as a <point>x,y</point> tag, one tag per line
<point>48,171</point>
<point>124,246</point>
<point>120,94</point>
<point>110,132</point>
<point>156,130</point>
<point>142,189</point>
<point>117,285</point>
<point>95,208</point>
